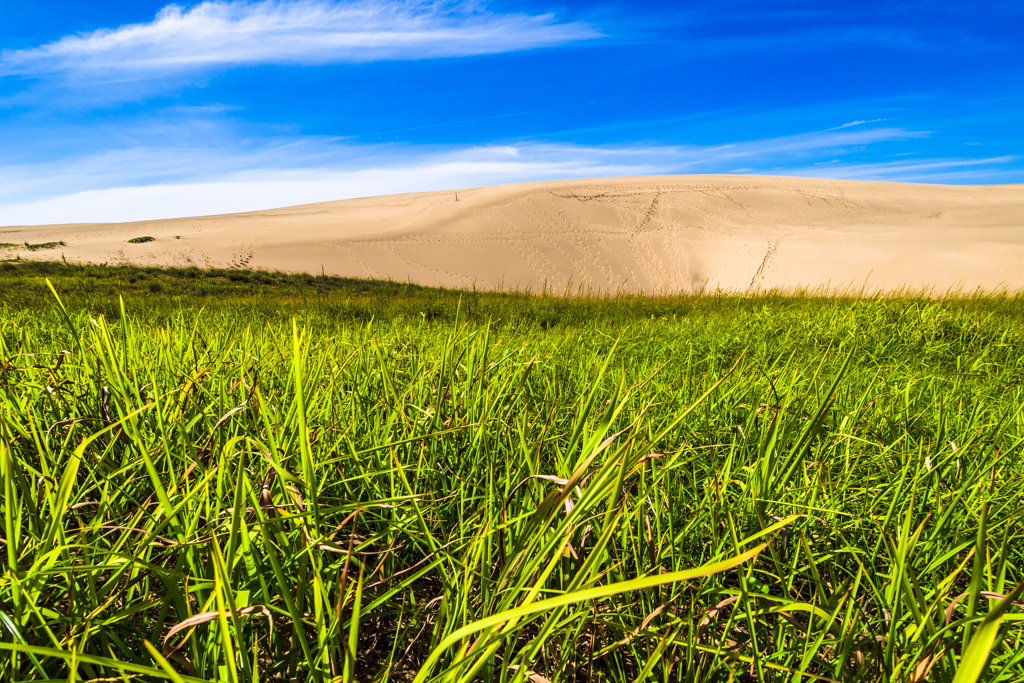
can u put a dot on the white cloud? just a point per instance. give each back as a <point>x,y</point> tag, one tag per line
<point>213,154</point>
<point>856,123</point>
<point>222,33</point>
<point>919,170</point>
<point>145,183</point>
<point>272,188</point>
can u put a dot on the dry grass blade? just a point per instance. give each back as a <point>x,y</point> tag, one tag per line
<point>985,594</point>
<point>660,609</point>
<point>924,667</point>
<point>206,617</point>
<point>531,676</point>
<point>224,418</point>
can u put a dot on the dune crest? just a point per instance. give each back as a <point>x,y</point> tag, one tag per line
<point>656,234</point>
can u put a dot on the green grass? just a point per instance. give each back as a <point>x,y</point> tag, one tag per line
<point>32,247</point>
<point>327,479</point>
<point>141,240</point>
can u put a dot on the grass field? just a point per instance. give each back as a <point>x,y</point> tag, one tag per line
<point>241,476</point>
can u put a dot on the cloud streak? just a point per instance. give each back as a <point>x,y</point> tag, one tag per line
<point>219,34</point>
<point>940,170</point>
<point>224,157</point>
<point>231,177</point>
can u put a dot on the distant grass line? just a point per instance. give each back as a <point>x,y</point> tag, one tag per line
<point>581,488</point>
<point>343,298</point>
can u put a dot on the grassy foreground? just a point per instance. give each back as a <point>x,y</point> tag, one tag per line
<point>323,480</point>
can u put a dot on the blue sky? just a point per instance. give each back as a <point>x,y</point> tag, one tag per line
<point>114,110</point>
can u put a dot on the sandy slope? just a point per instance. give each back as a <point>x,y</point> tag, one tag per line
<point>661,233</point>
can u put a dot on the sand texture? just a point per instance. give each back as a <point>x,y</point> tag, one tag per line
<point>656,234</point>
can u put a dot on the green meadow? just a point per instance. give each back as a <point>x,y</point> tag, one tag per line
<point>243,476</point>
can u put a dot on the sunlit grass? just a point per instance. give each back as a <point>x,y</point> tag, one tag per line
<point>370,481</point>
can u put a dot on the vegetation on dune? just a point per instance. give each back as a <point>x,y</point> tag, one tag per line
<point>141,240</point>
<point>325,479</point>
<point>32,247</point>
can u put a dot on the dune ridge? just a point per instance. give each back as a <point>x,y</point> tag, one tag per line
<point>654,234</point>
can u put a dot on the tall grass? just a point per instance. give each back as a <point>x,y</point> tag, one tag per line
<point>747,489</point>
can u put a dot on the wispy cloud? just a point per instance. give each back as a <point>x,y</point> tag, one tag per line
<point>218,155</point>
<point>159,182</point>
<point>401,170</point>
<point>302,32</point>
<point>851,124</point>
<point>959,170</point>
<point>282,174</point>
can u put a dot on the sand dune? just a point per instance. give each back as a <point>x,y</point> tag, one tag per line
<point>657,234</point>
